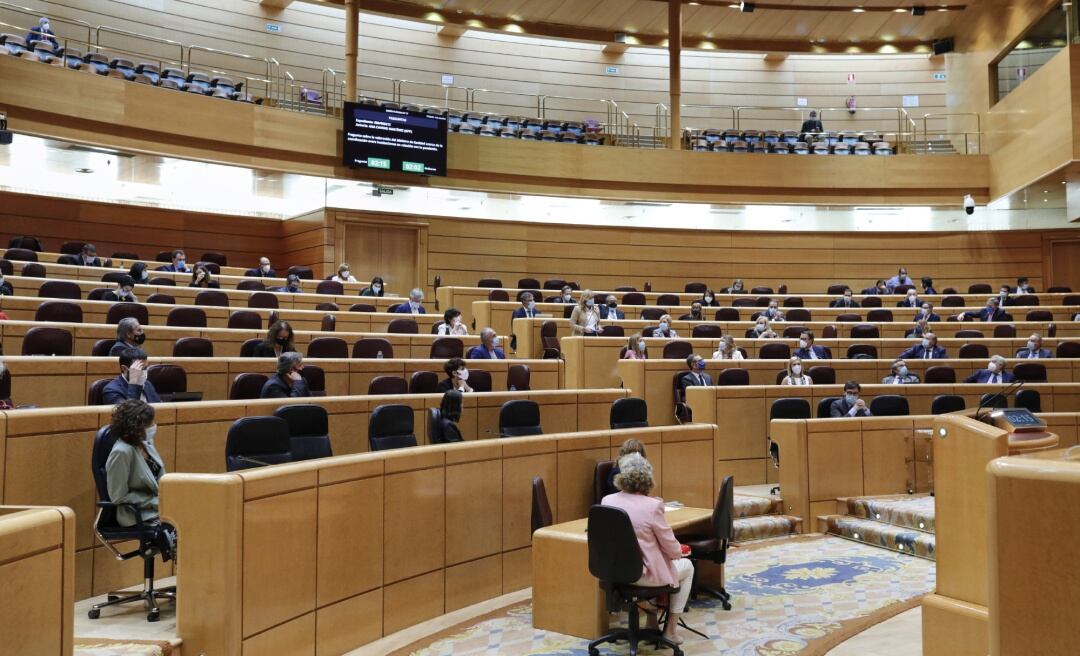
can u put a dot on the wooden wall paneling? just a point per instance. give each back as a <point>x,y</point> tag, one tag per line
<point>308,240</point>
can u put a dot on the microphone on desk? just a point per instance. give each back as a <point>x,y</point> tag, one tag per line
<point>1004,394</point>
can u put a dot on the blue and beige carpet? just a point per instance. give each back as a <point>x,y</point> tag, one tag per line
<point>799,596</point>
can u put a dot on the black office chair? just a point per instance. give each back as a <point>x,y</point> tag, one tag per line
<point>785,408</point>
<point>1030,399</point>
<point>714,546</point>
<point>993,400</point>
<point>309,430</point>
<point>391,427</point>
<point>110,533</point>
<point>946,403</point>
<point>889,405</point>
<point>615,559</point>
<point>519,418</point>
<point>629,412</point>
<point>541,508</point>
<point>257,442</point>
<point>824,407</point>
<point>601,474</point>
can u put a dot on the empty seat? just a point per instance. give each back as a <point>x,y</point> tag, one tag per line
<point>879,315</point>
<point>519,418</point>
<point>163,299</point>
<point>391,427</point>
<point>518,378</point>
<point>865,331</point>
<point>628,412</point>
<point>257,441</point>
<point>251,286</point>
<point>822,375</point>
<point>187,317</point>
<point>1068,350</point>
<point>940,375</point>
<point>889,405</point>
<point>848,318</point>
<point>489,283</point>
<point>980,288</point>
<point>798,314</point>
<point>193,347</point>
<point>677,350</point>
<point>403,326</point>
<point>44,340</point>
<point>332,287</point>
<point>59,312</point>
<point>60,289</point>
<point>1032,372</point>
<point>247,386</point>
<point>212,297</point>
<point>263,300</point>
<point>423,382</point>
<point>733,376</point>
<point>667,299</point>
<point>373,348</point>
<point>328,347</point>
<point>774,351</point>
<point>952,301</point>
<point>446,348</point>
<point>969,334</point>
<point>20,255</point>
<point>245,320</point>
<point>387,385</point>
<point>309,430</point>
<point>727,314</point>
<point>362,307</point>
<point>1005,330</point>
<point>167,378</point>
<point>634,298</point>
<point>1029,399</point>
<point>945,403</point>
<point>1040,315</point>
<point>971,351</point>
<point>862,351</point>
<point>709,331</point>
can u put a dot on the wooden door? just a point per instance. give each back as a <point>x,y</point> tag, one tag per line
<point>390,252</point>
<point>1065,264</point>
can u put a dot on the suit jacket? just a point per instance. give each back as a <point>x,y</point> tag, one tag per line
<point>844,303</point>
<point>118,349</point>
<point>811,125</point>
<point>986,314</point>
<point>932,317</point>
<point>119,390</point>
<point>609,313</point>
<point>448,432</point>
<point>819,351</point>
<point>171,268</point>
<point>258,273</point>
<point>909,379</point>
<point>578,320</point>
<point>1024,354</point>
<point>96,262</point>
<point>115,298</point>
<point>279,388</point>
<point>929,291</point>
<point>405,308</point>
<point>524,313</point>
<point>690,380</point>
<point>286,290</point>
<point>840,408</point>
<point>655,538</point>
<point>130,480</point>
<point>905,303</point>
<point>264,350</point>
<point>481,353</point>
<point>983,376</point>
<point>917,352</point>
<point>213,284</point>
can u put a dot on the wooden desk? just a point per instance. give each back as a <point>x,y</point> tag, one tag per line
<point>566,596</point>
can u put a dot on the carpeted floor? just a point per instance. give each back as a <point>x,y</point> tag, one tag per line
<point>798,596</point>
<point>92,647</point>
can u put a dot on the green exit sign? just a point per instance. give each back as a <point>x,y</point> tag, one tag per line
<point>378,163</point>
<point>412,167</point>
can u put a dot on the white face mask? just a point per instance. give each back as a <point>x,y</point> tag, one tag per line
<point>760,328</point>
<point>567,297</point>
<point>1031,345</point>
<point>151,431</point>
<point>641,346</point>
<point>708,299</point>
<point>851,398</point>
<point>911,298</point>
<point>902,371</point>
<point>590,303</point>
<point>416,302</point>
<point>772,309</point>
<point>664,326</point>
<point>803,343</point>
<point>497,342</point>
<point>531,305</point>
<point>455,321</point>
<point>926,343</point>
<point>463,374</point>
<point>343,274</point>
<point>796,369</point>
<point>265,268</point>
<point>376,288</point>
<point>992,366</point>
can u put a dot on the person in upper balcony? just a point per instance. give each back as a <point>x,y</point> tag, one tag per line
<point>812,124</point>
<point>43,32</point>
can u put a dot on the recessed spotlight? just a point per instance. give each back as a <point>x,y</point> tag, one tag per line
<point>900,10</point>
<point>858,10</point>
<point>84,170</point>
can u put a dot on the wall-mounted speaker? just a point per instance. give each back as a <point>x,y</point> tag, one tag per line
<point>942,46</point>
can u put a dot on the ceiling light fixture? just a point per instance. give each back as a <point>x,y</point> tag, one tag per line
<point>858,10</point>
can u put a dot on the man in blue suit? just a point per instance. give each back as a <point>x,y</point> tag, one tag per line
<point>927,312</point>
<point>416,297</point>
<point>178,264</point>
<point>807,350</point>
<point>911,300</point>
<point>925,350</point>
<point>610,309</point>
<point>132,382</point>
<point>993,374</point>
<point>992,312</point>
<point>1034,349</point>
<point>527,309</point>
<point>696,376</point>
<point>488,348</point>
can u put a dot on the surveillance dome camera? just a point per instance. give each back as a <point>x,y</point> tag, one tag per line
<point>969,204</point>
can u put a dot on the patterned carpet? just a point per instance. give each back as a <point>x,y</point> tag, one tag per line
<point>91,647</point>
<point>789,596</point>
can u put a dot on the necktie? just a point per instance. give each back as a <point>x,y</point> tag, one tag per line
<point>928,353</point>
<point>993,378</point>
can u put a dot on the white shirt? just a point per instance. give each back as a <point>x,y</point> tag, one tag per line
<point>799,380</point>
<point>719,355</point>
<point>591,319</point>
<point>458,329</point>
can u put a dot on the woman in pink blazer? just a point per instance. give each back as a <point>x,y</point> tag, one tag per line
<point>661,553</point>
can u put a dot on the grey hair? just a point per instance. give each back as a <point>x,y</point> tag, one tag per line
<point>488,330</point>
<point>126,325</point>
<point>635,474</point>
<point>998,359</point>
<point>287,360</point>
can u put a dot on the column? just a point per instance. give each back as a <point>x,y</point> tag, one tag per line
<point>675,71</point>
<point>352,33</point>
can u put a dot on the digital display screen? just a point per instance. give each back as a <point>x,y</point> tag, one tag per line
<point>396,140</point>
<point>1021,417</point>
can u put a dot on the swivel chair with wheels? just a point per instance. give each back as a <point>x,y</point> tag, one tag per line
<point>714,545</point>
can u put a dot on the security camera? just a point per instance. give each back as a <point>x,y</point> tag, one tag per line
<point>969,204</point>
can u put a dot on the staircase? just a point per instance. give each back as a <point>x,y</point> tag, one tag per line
<point>757,518</point>
<point>930,147</point>
<point>901,523</point>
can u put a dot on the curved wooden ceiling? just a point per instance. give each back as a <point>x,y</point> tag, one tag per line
<point>776,25</point>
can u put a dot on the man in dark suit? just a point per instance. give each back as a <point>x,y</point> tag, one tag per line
<point>89,257</point>
<point>488,348</point>
<point>287,382</point>
<point>129,336</point>
<point>178,264</point>
<point>807,350</point>
<point>124,292</point>
<point>414,306</point>
<point>812,124</point>
<point>845,301</point>
<point>1034,349</point>
<point>773,312</point>
<point>527,309</point>
<point>696,377</point>
<point>850,405</point>
<point>925,350</point>
<point>132,382</point>
<point>1003,296</point>
<point>264,270</point>
<point>992,312</point>
<point>927,312</point>
<point>292,285</point>
<point>879,289</point>
<point>993,374</point>
<point>610,309</point>
<point>1022,286</point>
<point>911,300</point>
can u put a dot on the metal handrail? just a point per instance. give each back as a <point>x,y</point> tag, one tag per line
<point>266,62</point>
<point>37,14</point>
<point>978,125</point>
<point>116,30</point>
<point>470,97</point>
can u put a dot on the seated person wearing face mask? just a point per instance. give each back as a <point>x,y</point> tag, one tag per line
<point>737,287</point>
<point>287,382</point>
<point>344,274</point>
<point>585,319</point>
<point>129,335</point>
<point>910,301</point>
<point>762,330</point>
<point>992,312</point>
<point>928,285</point>
<point>414,306</point>
<point>773,313</point>
<point>452,325</point>
<point>139,273</point>
<point>926,349</point>
<point>566,296</point>
<point>1022,286</point>
<point>807,350</point>
<point>124,292</point>
<point>457,376</point>
<point>795,375</point>
<point>901,278</point>
<point>696,377</point>
<point>899,375</point>
<point>927,313</point>
<point>845,301</point>
<point>727,349</point>
<point>488,348</point>
<point>610,310</point>
<point>695,313</point>
<point>708,299</point>
<point>178,264</point>
<point>89,256</point>
<point>279,340</point>
<point>850,405</point>
<point>1003,296</point>
<point>922,326</point>
<point>664,329</point>
<point>527,309</point>
<point>635,348</point>
<point>132,382</point>
<point>376,289</point>
<point>292,285</point>
<point>879,289</point>
<point>449,414</point>
<point>264,270</point>
<point>1034,349</point>
<point>994,373</point>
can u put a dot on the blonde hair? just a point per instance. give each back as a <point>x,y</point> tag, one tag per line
<point>635,474</point>
<point>631,445</point>
<point>586,295</point>
<point>632,343</point>
<point>344,267</point>
<point>792,362</point>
